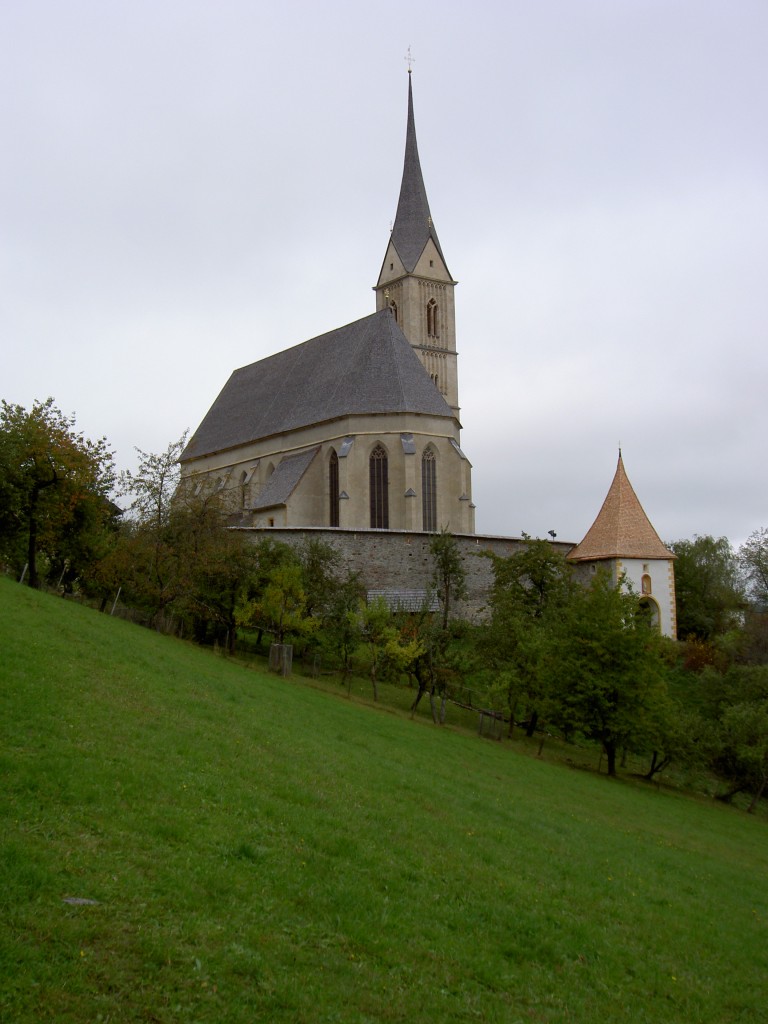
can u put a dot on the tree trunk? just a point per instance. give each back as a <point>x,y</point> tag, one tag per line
<point>658,764</point>
<point>32,539</point>
<point>758,794</point>
<point>533,721</point>
<point>610,753</point>
<point>419,695</point>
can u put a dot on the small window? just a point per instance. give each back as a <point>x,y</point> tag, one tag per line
<point>432,331</point>
<point>645,584</point>
<point>333,487</point>
<point>429,491</point>
<point>271,521</point>
<point>391,266</point>
<point>379,488</point>
<point>393,307</point>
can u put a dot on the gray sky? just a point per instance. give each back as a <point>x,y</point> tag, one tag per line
<point>187,187</point>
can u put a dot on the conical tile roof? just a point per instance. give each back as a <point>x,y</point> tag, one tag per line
<point>413,222</point>
<point>622,529</point>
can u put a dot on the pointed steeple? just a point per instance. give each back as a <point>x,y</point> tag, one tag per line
<point>413,221</point>
<point>622,529</point>
<point>414,280</point>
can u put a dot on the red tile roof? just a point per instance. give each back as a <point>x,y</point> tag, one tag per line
<point>622,529</point>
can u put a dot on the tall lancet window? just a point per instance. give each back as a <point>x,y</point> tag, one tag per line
<point>393,307</point>
<point>429,491</point>
<point>333,489</point>
<point>379,488</point>
<point>432,331</point>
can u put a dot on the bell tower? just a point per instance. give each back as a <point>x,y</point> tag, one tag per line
<point>415,282</point>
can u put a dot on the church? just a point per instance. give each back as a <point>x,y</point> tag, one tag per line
<point>357,428</point>
<point>355,436</point>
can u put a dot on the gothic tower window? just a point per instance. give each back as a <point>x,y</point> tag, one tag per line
<point>393,307</point>
<point>432,331</point>
<point>333,489</point>
<point>379,488</point>
<point>429,491</point>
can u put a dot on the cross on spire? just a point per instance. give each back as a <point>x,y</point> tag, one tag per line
<point>410,61</point>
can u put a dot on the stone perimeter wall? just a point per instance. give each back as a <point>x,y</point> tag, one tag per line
<point>400,560</point>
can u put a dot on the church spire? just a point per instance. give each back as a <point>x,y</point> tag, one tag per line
<point>413,221</point>
<point>414,281</point>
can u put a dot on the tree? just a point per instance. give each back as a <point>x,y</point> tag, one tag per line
<point>217,565</point>
<point>742,749</point>
<point>340,633</point>
<point>448,576</point>
<point>55,487</point>
<point>707,587</point>
<point>607,675</point>
<point>753,559</point>
<point>155,573</point>
<point>530,590</point>
<point>281,608</point>
<point>319,566</point>
<point>386,646</point>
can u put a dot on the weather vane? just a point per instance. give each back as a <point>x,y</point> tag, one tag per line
<point>410,61</point>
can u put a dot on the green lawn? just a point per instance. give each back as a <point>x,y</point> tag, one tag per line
<point>262,850</point>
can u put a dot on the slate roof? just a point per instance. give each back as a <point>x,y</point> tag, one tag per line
<point>283,481</point>
<point>365,367</point>
<point>406,600</point>
<point>413,222</point>
<point>622,529</point>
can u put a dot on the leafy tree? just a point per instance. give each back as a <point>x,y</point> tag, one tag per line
<point>387,648</point>
<point>319,566</point>
<point>282,606</point>
<point>741,754</point>
<point>154,485</point>
<point>530,590</point>
<point>448,576</point>
<point>707,587</point>
<point>154,571</point>
<point>54,488</point>
<point>753,559</point>
<point>217,565</point>
<point>607,675</point>
<point>340,633</point>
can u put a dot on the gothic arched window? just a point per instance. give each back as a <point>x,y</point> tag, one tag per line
<point>379,488</point>
<point>432,331</point>
<point>333,489</point>
<point>429,491</point>
<point>393,307</point>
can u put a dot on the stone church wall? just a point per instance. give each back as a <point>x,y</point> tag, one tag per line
<point>400,560</point>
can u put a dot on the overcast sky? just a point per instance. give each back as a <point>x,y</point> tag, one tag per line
<point>189,186</point>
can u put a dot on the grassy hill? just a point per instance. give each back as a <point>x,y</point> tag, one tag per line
<point>259,850</point>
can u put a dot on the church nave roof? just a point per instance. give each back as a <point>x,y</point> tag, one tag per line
<point>365,367</point>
